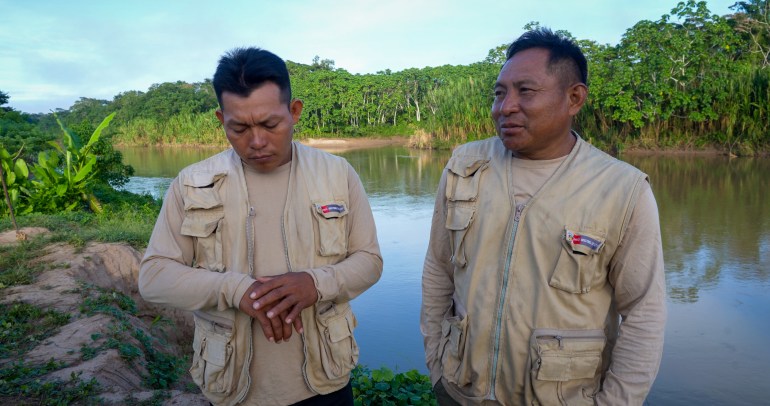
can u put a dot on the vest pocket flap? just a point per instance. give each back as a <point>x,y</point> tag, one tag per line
<point>339,329</point>
<point>459,217</point>
<point>215,350</point>
<point>201,223</point>
<point>202,190</point>
<point>466,166</point>
<point>202,179</point>
<point>331,209</point>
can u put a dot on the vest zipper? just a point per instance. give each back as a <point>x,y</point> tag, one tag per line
<point>501,304</point>
<point>250,253</point>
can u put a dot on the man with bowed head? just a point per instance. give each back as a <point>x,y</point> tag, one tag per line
<point>543,283</point>
<point>263,240</point>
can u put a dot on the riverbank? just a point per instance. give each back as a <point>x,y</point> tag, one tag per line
<point>344,144</point>
<point>349,144</point>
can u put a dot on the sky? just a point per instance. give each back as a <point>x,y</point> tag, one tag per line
<point>54,52</point>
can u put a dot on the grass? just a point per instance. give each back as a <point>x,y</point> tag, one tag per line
<point>23,325</point>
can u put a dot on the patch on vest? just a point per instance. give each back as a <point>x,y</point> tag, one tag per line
<point>575,240</point>
<point>338,208</point>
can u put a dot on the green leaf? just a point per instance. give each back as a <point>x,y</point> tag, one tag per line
<point>383,374</point>
<point>21,169</point>
<point>97,133</point>
<point>61,190</point>
<point>85,170</point>
<point>382,386</point>
<point>56,146</point>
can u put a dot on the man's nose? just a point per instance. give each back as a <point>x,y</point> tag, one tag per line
<point>257,138</point>
<point>510,104</point>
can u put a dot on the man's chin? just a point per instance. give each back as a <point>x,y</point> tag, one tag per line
<point>512,143</point>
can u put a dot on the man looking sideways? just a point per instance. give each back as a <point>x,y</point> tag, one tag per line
<point>543,283</point>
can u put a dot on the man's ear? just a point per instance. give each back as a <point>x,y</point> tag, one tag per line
<point>577,93</point>
<point>295,108</point>
<point>220,116</point>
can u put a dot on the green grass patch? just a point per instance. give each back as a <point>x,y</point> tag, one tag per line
<point>17,265</point>
<point>20,384</point>
<point>23,325</point>
<point>164,369</point>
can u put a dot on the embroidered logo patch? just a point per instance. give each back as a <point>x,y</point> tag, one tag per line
<point>581,239</point>
<point>337,208</point>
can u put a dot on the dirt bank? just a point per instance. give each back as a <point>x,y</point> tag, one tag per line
<point>74,277</point>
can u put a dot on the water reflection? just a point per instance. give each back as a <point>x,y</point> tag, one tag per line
<point>715,220</point>
<point>715,216</point>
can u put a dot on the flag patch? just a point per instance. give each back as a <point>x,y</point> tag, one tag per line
<point>337,208</point>
<point>576,239</point>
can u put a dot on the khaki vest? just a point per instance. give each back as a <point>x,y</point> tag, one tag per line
<point>533,319</point>
<point>219,218</point>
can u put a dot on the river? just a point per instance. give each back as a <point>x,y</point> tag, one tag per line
<point>715,221</point>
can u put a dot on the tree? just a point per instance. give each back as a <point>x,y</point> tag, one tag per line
<point>752,21</point>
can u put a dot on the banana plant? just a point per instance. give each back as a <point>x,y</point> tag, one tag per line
<point>64,177</point>
<point>15,178</point>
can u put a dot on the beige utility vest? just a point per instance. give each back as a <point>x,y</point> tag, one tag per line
<point>533,320</point>
<point>219,218</point>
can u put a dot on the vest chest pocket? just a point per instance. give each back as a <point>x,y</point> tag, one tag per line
<point>565,366</point>
<point>332,231</point>
<point>579,266</point>
<point>205,226</point>
<point>204,218</point>
<point>462,191</point>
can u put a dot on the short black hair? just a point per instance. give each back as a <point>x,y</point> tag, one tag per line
<point>565,55</point>
<point>242,70</point>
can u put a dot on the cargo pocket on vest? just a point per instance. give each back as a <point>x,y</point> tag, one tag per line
<point>566,366</point>
<point>578,266</point>
<point>462,190</point>
<point>453,340</point>
<point>339,350</point>
<point>204,218</point>
<point>212,364</point>
<point>332,233</point>
<point>205,226</point>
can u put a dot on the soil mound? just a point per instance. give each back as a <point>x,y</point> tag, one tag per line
<point>100,343</point>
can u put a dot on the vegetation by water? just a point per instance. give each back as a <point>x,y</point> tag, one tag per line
<point>691,79</point>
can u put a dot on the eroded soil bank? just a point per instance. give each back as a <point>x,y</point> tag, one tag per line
<point>97,342</point>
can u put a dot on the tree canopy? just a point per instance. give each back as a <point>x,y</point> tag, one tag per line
<point>688,79</point>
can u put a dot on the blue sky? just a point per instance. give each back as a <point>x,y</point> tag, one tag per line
<point>54,52</point>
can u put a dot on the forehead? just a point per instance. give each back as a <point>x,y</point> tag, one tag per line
<point>266,96</point>
<point>529,64</point>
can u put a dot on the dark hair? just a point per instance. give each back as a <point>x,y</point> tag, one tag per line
<point>564,53</point>
<point>242,70</point>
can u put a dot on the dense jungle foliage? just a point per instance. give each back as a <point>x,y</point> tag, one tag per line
<point>691,80</point>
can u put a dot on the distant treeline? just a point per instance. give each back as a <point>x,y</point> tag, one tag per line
<point>691,79</point>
